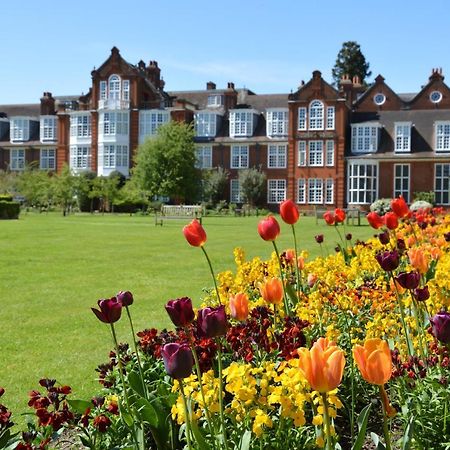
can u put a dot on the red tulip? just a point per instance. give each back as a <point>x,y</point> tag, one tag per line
<point>110,310</point>
<point>339,215</point>
<point>399,206</point>
<point>289,212</point>
<point>390,219</point>
<point>268,228</point>
<point>195,234</point>
<point>180,311</point>
<point>329,218</point>
<point>374,220</point>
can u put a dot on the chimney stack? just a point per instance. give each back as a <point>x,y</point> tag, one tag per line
<point>210,86</point>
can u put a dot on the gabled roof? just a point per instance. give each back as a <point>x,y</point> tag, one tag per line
<point>393,101</point>
<point>315,87</point>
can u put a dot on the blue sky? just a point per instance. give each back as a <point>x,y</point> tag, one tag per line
<point>267,46</point>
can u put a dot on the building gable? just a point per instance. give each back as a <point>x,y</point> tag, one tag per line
<point>434,95</point>
<point>379,97</point>
<point>315,88</point>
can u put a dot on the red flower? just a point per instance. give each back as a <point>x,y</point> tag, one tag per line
<point>289,212</point>
<point>110,310</point>
<point>399,206</point>
<point>391,220</point>
<point>195,234</point>
<point>329,218</point>
<point>102,423</point>
<point>339,215</point>
<point>180,311</point>
<point>374,220</point>
<point>212,322</point>
<point>125,298</point>
<point>178,360</point>
<point>268,228</point>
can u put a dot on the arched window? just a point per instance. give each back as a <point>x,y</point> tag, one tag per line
<point>316,115</point>
<point>114,87</point>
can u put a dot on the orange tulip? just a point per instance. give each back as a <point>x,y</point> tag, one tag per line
<point>374,361</point>
<point>239,306</point>
<point>418,259</point>
<point>272,291</point>
<point>323,365</point>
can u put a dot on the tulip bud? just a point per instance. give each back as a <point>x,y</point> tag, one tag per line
<point>319,238</point>
<point>401,246</point>
<point>239,306</point>
<point>374,361</point>
<point>388,261</point>
<point>312,279</point>
<point>212,322</point>
<point>2,391</point>
<point>408,280</point>
<point>422,294</point>
<point>268,228</point>
<point>348,236</point>
<point>440,327</point>
<point>125,297</point>
<point>180,311</point>
<point>289,212</point>
<point>384,237</point>
<point>271,291</point>
<point>195,234</point>
<point>447,236</point>
<point>374,220</point>
<point>339,215</point>
<point>391,220</point>
<point>399,206</point>
<point>178,360</point>
<point>329,218</point>
<point>110,310</point>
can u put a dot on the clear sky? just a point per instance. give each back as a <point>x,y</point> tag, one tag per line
<point>267,46</point>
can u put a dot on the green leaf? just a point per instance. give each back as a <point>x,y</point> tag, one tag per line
<point>407,437</point>
<point>362,425</point>
<point>147,412</point>
<point>202,444</point>
<point>4,438</point>
<point>291,293</point>
<point>245,440</point>
<point>376,440</point>
<point>135,382</point>
<point>80,406</point>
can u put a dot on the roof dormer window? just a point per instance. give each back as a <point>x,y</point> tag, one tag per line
<point>215,100</point>
<point>242,123</point>
<point>277,122</point>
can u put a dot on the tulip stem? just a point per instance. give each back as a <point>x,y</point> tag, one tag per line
<point>186,415</point>
<point>212,273</point>
<point>296,263</point>
<point>286,304</point>
<point>222,416</point>
<point>387,436</point>
<point>326,419</point>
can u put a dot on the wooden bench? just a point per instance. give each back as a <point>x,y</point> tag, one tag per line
<point>352,215</point>
<point>178,212</point>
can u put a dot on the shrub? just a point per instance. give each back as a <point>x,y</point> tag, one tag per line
<point>6,198</point>
<point>9,210</point>
<point>425,196</point>
<point>420,204</point>
<point>381,206</point>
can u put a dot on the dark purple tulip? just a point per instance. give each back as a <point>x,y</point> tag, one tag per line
<point>388,261</point>
<point>125,297</point>
<point>178,360</point>
<point>401,246</point>
<point>180,311</point>
<point>212,322</point>
<point>110,310</point>
<point>384,237</point>
<point>348,236</point>
<point>409,280</point>
<point>447,236</point>
<point>422,294</point>
<point>440,327</point>
<point>319,238</point>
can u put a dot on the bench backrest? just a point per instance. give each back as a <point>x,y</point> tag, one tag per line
<point>181,210</point>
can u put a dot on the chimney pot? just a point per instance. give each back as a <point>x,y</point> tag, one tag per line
<point>210,86</point>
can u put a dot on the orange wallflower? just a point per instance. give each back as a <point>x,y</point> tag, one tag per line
<point>239,306</point>
<point>418,259</point>
<point>374,361</point>
<point>272,290</point>
<point>323,365</point>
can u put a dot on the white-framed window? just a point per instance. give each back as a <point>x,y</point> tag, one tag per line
<point>115,156</point>
<point>442,184</point>
<point>48,128</point>
<point>315,191</point>
<point>365,138</point>
<point>315,157</point>
<point>80,157</point>
<point>329,191</point>
<point>241,123</point>
<point>114,87</point>
<point>19,129</point>
<point>205,124</point>
<point>330,117</point>
<point>17,159</point>
<point>442,133</point>
<point>316,115</point>
<point>126,89</point>
<point>401,181</point>
<point>80,125</point>
<point>204,157</point>
<point>215,100</point>
<point>362,183</point>
<point>329,153</point>
<point>235,191</point>
<point>301,190</point>
<point>47,159</point>
<point>276,191</point>
<point>113,123</point>
<point>103,92</point>
<point>149,122</point>
<point>402,136</point>
<point>277,123</point>
<point>302,118</point>
<point>302,153</point>
<point>276,156</point>
<point>239,157</point>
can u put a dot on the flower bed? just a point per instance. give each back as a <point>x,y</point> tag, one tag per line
<point>332,352</point>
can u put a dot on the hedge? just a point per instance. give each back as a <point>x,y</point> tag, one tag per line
<point>9,210</point>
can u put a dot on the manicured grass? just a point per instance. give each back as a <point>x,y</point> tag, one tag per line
<point>54,268</point>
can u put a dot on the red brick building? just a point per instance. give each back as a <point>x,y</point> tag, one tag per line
<point>320,146</point>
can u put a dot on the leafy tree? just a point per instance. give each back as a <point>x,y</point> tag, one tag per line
<point>351,61</point>
<point>252,182</point>
<point>64,185</point>
<point>107,190</point>
<point>36,186</point>
<point>84,183</point>
<point>165,165</point>
<point>214,185</point>
<point>8,182</point>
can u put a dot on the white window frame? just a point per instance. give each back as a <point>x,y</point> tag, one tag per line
<point>149,122</point>
<point>329,191</point>
<point>402,136</point>
<point>442,136</point>
<point>276,191</point>
<point>205,124</point>
<point>103,90</point>
<point>365,137</point>
<point>241,123</point>
<point>329,153</point>
<point>302,116</point>
<point>239,156</point>
<point>215,100</point>
<point>362,182</point>
<point>204,157</point>
<point>80,126</point>
<point>301,190</point>
<point>277,123</point>
<point>315,191</point>
<point>302,153</point>
<point>315,153</point>
<point>331,117</point>
<point>17,159</point>
<point>316,112</point>
<point>114,87</point>
<point>235,191</point>
<point>442,183</point>
<point>114,155</point>
<point>47,159</point>
<point>402,178</point>
<point>126,90</point>
<point>47,129</point>
<point>80,157</point>
<point>277,156</point>
<point>113,123</point>
<point>19,129</point>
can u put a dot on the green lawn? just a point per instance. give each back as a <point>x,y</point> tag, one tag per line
<point>54,268</point>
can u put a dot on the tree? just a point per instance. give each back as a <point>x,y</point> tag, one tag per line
<point>65,189</point>
<point>252,182</point>
<point>165,165</point>
<point>214,185</point>
<point>36,187</point>
<point>350,61</point>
